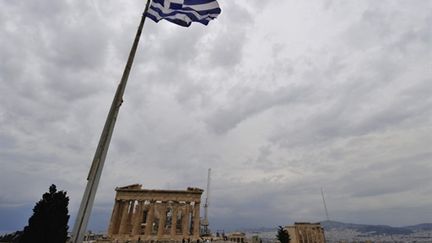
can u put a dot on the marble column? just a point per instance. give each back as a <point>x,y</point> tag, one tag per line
<point>196,226</point>
<point>137,218</point>
<point>124,218</point>
<point>186,220</point>
<point>162,220</point>
<point>129,218</point>
<point>150,218</point>
<point>174,220</point>
<point>114,218</point>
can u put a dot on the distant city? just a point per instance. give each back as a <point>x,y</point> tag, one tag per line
<point>336,232</point>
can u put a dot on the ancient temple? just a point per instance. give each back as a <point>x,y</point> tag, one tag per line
<point>143,215</point>
<point>306,233</point>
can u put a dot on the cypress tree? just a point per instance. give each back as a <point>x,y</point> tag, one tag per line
<point>49,220</point>
<point>282,235</point>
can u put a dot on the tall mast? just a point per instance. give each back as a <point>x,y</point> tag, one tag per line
<point>95,172</point>
<point>205,222</point>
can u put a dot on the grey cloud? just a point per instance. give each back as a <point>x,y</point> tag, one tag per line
<point>393,176</point>
<point>349,111</point>
<point>226,49</point>
<point>250,102</point>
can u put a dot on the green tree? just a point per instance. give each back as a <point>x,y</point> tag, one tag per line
<point>282,235</point>
<point>49,220</point>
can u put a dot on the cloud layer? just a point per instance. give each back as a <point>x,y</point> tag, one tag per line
<point>279,99</point>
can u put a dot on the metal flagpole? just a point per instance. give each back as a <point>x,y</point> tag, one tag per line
<point>99,158</point>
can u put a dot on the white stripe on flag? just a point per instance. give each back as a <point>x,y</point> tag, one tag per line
<point>203,7</point>
<point>168,11</point>
<point>173,17</point>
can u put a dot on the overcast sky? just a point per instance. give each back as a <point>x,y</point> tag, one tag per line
<point>279,98</point>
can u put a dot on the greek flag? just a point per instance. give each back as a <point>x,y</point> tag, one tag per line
<point>184,12</point>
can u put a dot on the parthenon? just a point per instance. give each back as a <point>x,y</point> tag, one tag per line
<point>143,215</point>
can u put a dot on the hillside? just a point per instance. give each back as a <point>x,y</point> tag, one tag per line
<point>376,229</point>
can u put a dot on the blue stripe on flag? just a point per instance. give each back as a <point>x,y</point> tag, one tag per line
<point>184,12</point>
<point>195,2</point>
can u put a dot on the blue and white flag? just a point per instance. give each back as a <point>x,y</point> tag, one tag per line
<point>184,12</point>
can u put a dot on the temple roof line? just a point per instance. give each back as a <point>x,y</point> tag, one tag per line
<point>138,188</point>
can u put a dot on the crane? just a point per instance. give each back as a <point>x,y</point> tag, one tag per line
<point>205,222</point>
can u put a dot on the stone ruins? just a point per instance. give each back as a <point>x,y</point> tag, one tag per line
<point>306,233</point>
<point>143,215</point>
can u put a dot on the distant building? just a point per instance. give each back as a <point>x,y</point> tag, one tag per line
<point>306,233</point>
<point>255,239</point>
<point>238,237</point>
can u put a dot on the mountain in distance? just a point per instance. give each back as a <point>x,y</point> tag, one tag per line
<point>361,228</point>
<point>375,229</point>
<point>418,227</point>
<point>259,229</point>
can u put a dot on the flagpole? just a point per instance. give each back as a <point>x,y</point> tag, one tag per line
<point>101,151</point>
